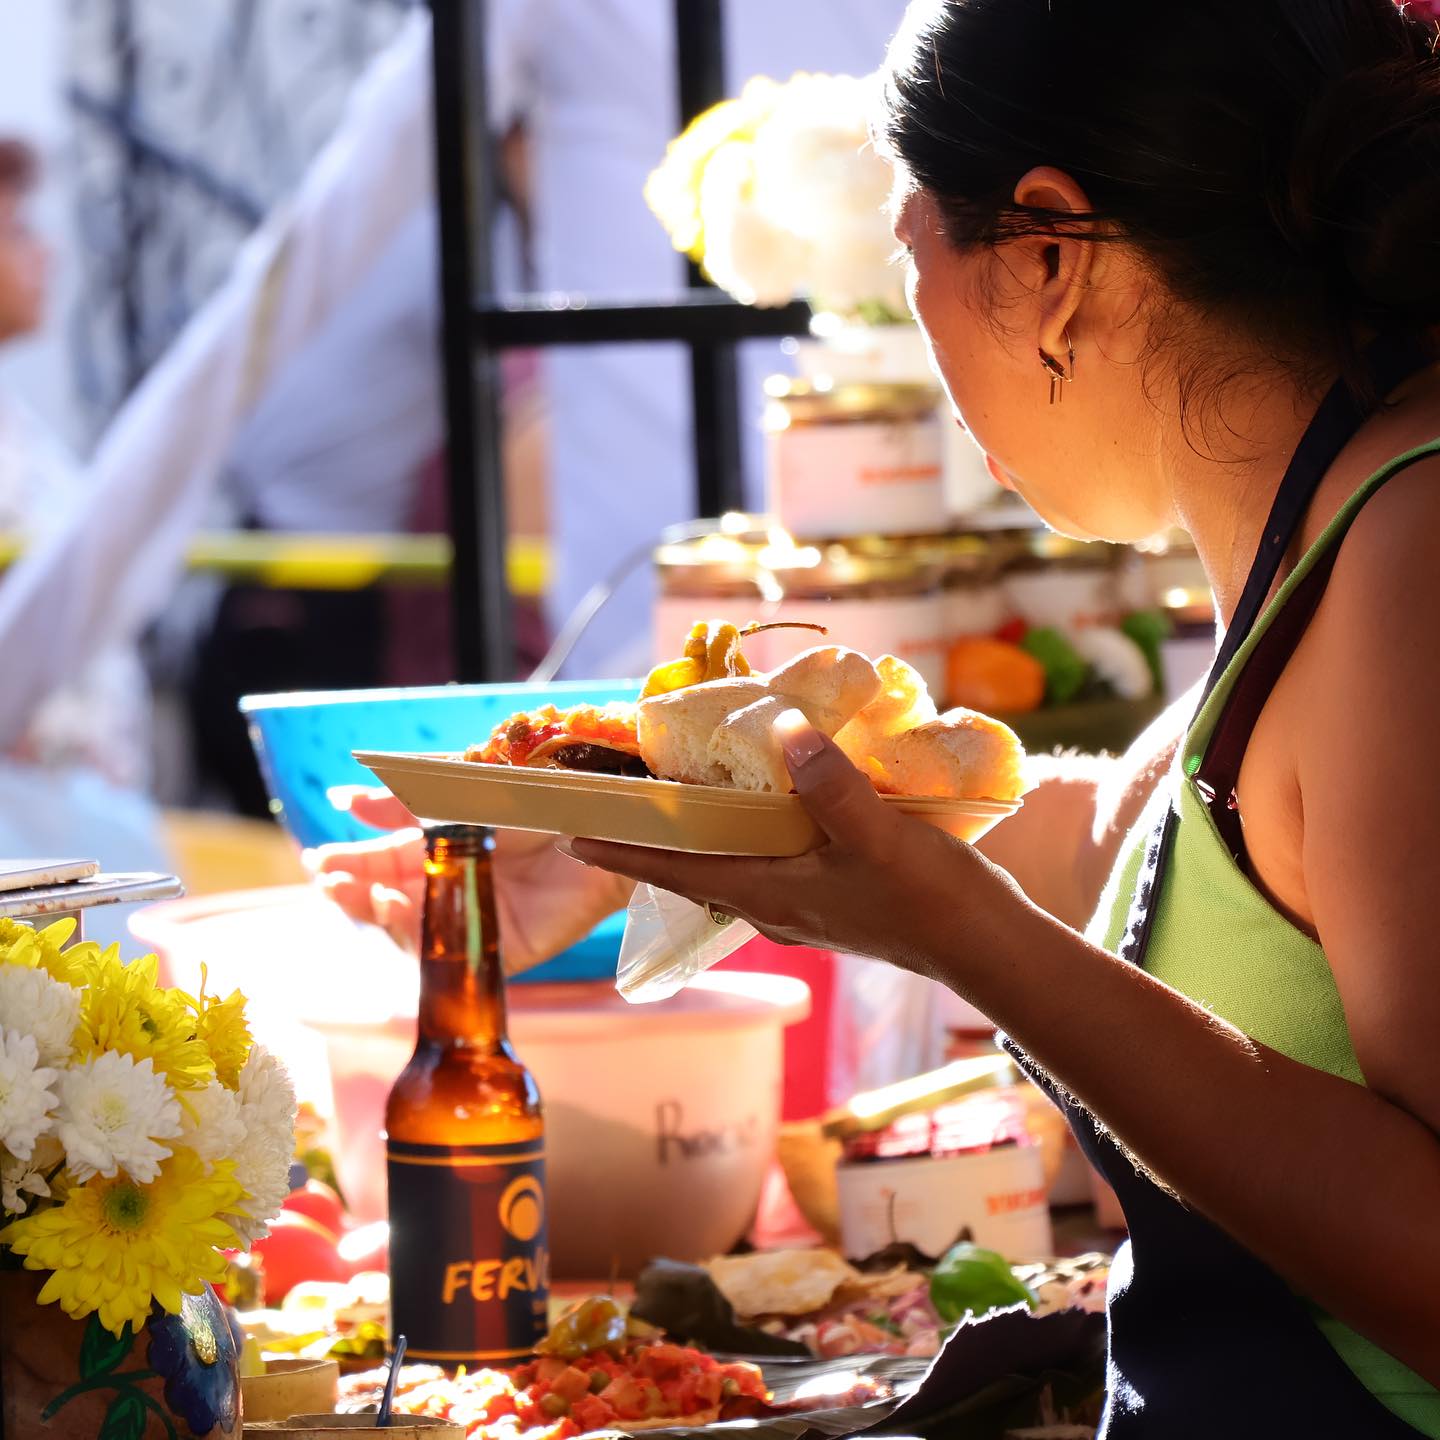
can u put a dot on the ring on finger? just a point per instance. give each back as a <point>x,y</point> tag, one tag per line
<point>719,918</point>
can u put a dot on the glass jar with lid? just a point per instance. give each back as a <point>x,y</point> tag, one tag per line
<point>1051,580</point>
<point>854,459</point>
<point>876,596</point>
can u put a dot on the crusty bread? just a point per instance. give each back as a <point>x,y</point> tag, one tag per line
<point>746,750</point>
<point>882,717</point>
<point>961,756</point>
<point>903,702</point>
<point>675,729</point>
<point>829,684</point>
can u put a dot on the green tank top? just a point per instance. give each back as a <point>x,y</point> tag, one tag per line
<point>1217,939</point>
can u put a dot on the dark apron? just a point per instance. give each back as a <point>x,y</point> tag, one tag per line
<point>1205,1340</point>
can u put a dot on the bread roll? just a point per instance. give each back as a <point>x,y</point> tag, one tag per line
<point>720,733</point>
<point>828,685</point>
<point>831,684</point>
<point>674,730</point>
<point>960,756</point>
<point>903,702</point>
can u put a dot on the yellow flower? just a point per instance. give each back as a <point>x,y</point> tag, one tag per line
<point>44,949</point>
<point>222,1029</point>
<point>673,189</point>
<point>115,1246</point>
<point>123,1009</point>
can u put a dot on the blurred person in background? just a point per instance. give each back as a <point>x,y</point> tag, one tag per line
<point>73,778</point>
<point>104,548</point>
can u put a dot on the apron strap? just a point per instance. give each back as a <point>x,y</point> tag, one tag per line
<point>1219,773</point>
<point>1390,360</point>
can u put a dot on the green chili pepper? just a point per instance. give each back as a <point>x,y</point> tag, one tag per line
<point>969,1280</point>
<point>1065,671</point>
<point>1148,628</point>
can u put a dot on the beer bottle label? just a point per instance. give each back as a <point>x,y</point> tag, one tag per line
<point>469,1267</point>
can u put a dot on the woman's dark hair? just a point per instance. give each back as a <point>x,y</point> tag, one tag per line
<point>1277,161</point>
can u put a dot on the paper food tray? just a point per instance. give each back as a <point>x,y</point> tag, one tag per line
<point>702,819</point>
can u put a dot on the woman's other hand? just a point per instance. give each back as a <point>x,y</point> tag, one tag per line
<point>545,902</point>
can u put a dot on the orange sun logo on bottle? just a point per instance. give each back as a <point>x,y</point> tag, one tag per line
<point>522,1208</point>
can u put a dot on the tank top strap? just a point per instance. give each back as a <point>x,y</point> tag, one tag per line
<point>1217,741</point>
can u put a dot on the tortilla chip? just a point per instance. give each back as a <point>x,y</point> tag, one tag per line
<point>885,1286</point>
<point>780,1282</point>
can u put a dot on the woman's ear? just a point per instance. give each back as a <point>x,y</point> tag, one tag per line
<point>1061,262</point>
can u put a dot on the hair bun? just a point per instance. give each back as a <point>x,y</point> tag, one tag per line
<point>1363,195</point>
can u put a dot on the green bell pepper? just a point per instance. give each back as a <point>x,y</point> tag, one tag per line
<point>972,1281</point>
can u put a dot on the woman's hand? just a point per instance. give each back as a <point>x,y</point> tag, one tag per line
<point>545,903</point>
<point>881,884</point>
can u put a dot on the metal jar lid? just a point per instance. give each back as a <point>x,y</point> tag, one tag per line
<point>772,567</point>
<point>818,402</point>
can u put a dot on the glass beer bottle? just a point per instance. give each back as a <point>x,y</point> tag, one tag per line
<point>465,1137</point>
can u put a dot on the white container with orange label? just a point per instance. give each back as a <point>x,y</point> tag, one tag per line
<point>846,460</point>
<point>998,1194</point>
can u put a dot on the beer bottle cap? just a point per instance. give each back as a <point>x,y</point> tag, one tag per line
<point>459,839</point>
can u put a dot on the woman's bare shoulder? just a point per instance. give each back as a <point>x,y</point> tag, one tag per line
<point>1375,640</point>
<point>1386,576</point>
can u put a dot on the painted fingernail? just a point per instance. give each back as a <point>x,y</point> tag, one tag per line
<point>798,738</point>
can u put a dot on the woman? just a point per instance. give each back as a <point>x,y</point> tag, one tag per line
<point>1208,230</point>
<point>74,755</point>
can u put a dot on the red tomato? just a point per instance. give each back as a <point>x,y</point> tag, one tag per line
<point>627,1397</point>
<point>321,1203</point>
<point>367,1248</point>
<point>571,1383</point>
<point>591,1413</point>
<point>297,1249</point>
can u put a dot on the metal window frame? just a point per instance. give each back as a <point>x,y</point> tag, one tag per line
<point>477,325</point>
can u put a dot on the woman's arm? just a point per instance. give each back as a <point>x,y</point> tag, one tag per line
<point>1064,841</point>
<point>1332,1184</point>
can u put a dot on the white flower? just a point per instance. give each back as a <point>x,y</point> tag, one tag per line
<point>745,254</point>
<point>814,163</point>
<point>263,1159</point>
<point>20,1178</point>
<point>26,1099</point>
<point>211,1123</point>
<point>113,1112</point>
<point>1117,659</point>
<point>784,192</point>
<point>35,1004</point>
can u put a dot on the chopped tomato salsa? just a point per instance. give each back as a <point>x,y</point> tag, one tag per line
<point>555,1399</point>
<point>515,740</point>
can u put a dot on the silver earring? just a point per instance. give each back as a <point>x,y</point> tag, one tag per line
<point>1059,375</point>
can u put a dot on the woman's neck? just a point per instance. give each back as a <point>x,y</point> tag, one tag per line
<point>1224,500</point>
<point>1223,488</point>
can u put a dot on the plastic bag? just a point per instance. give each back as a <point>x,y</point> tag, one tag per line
<point>668,940</point>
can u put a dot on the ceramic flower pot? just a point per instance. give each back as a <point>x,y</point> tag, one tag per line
<point>175,1379</point>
